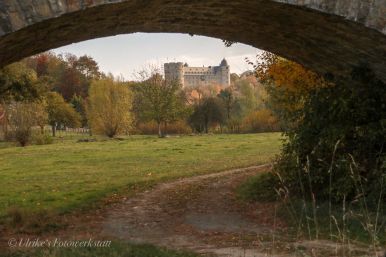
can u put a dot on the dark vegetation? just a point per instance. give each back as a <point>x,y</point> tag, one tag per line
<point>331,173</point>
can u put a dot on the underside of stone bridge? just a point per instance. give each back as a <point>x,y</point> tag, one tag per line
<point>327,36</point>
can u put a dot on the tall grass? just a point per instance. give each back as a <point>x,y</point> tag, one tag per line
<point>341,220</point>
<point>355,226</point>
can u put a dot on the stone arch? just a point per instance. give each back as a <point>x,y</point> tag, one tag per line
<point>328,36</point>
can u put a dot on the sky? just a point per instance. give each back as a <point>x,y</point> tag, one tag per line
<point>127,54</point>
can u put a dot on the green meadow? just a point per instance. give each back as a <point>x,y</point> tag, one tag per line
<point>68,174</point>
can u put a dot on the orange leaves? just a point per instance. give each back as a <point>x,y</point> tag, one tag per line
<point>288,83</point>
<point>261,120</point>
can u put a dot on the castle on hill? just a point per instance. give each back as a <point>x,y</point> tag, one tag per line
<point>195,76</point>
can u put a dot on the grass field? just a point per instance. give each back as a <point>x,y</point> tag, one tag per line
<point>68,175</point>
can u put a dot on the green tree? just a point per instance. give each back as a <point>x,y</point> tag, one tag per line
<point>209,112</point>
<point>227,96</point>
<point>109,107</point>
<point>88,67</point>
<point>60,113</point>
<point>19,83</point>
<point>79,104</point>
<point>159,100</point>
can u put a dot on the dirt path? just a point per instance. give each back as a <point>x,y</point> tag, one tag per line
<point>200,214</point>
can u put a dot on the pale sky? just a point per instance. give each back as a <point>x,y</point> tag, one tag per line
<point>127,54</point>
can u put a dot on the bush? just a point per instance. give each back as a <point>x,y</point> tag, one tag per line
<point>151,128</point>
<point>22,117</point>
<point>260,121</point>
<point>337,149</point>
<point>41,139</point>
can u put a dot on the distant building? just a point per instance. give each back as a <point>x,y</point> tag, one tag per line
<point>195,76</point>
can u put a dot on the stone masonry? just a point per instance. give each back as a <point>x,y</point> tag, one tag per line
<point>327,36</point>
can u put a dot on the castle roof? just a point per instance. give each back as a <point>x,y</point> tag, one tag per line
<point>224,62</point>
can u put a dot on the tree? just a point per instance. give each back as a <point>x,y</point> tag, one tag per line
<point>79,104</point>
<point>228,98</point>
<point>70,83</point>
<point>42,65</point>
<point>18,82</point>
<point>87,66</point>
<point>206,114</point>
<point>335,130</point>
<point>66,74</point>
<point>60,112</point>
<point>22,117</point>
<point>160,100</point>
<point>109,106</point>
<point>288,85</point>
<point>41,115</point>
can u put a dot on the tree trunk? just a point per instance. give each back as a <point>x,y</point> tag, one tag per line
<point>159,129</point>
<point>166,127</point>
<point>5,120</point>
<point>5,126</point>
<point>53,130</point>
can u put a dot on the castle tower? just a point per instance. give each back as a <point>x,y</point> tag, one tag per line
<point>225,73</point>
<point>174,71</point>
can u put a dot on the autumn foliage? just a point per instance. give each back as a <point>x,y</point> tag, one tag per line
<point>109,106</point>
<point>335,130</point>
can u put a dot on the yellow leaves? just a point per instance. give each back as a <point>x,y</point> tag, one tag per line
<point>109,107</point>
<point>287,74</point>
<point>294,77</point>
